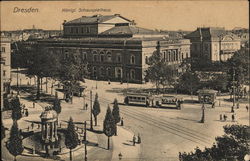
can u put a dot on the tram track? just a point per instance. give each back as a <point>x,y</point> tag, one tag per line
<point>167,126</point>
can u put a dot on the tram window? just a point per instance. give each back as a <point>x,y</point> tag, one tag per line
<point>143,99</point>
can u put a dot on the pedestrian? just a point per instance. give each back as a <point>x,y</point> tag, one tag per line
<point>225,117</point>
<point>247,108</point>
<point>213,104</point>
<point>34,105</point>
<point>28,128</point>
<point>232,109</point>
<point>32,125</point>
<point>233,117</point>
<point>108,81</point>
<point>122,121</point>
<point>138,139</point>
<point>38,126</point>
<point>26,113</point>
<point>134,139</point>
<point>238,105</point>
<point>86,106</point>
<point>220,117</point>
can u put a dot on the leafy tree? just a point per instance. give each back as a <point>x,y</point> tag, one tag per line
<point>14,144</point>
<point>116,114</point>
<point>219,83</point>
<point>238,69</point>
<point>71,137</point>
<point>16,109</point>
<point>42,64</point>
<point>233,144</point>
<point>159,72</point>
<point>188,82</point>
<point>57,105</point>
<point>109,125</point>
<point>96,108</point>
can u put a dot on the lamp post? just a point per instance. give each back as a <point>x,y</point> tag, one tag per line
<point>17,81</point>
<point>91,119</point>
<point>203,112</point>
<point>96,82</point>
<point>85,141</point>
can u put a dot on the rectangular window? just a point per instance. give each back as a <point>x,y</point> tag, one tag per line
<point>4,73</point>
<point>88,30</point>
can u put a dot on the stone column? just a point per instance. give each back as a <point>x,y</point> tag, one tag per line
<point>47,131</point>
<point>56,131</point>
<point>42,131</point>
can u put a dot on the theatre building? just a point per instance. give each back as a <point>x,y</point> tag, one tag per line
<point>113,47</point>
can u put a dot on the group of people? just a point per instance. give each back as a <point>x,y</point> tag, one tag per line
<point>224,117</point>
<point>138,139</point>
<point>25,111</point>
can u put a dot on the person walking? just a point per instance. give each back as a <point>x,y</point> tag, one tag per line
<point>34,105</point>
<point>134,139</point>
<point>220,117</point>
<point>32,125</point>
<point>86,106</point>
<point>232,109</point>
<point>122,121</point>
<point>238,105</point>
<point>233,117</point>
<point>247,108</point>
<point>26,113</point>
<point>138,139</point>
<point>225,117</point>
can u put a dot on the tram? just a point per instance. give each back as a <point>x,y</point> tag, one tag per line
<point>159,101</point>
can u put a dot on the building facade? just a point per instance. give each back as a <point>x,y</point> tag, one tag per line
<point>213,44</point>
<point>5,50</point>
<point>113,47</point>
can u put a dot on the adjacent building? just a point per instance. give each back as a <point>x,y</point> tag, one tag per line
<point>213,44</point>
<point>113,47</point>
<point>5,51</point>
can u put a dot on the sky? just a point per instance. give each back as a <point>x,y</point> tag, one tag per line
<point>165,15</point>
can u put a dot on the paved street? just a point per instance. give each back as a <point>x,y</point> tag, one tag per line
<point>164,132</point>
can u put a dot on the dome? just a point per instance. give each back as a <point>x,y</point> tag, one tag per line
<point>48,114</point>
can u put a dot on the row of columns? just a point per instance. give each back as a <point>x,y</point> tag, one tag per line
<point>49,131</point>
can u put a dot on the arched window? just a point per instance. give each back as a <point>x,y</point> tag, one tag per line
<point>109,57</point>
<point>132,74</point>
<point>95,56</point>
<point>102,72</point>
<point>132,59</point>
<point>119,59</point>
<point>102,56</point>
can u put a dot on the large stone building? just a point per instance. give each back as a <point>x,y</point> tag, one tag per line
<point>5,51</point>
<point>113,47</point>
<point>213,44</point>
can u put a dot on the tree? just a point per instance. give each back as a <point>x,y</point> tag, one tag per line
<point>188,82</point>
<point>238,69</point>
<point>57,105</point>
<point>71,137</point>
<point>233,144</point>
<point>109,125</point>
<point>96,108</point>
<point>116,114</point>
<point>42,63</point>
<point>14,144</point>
<point>16,109</point>
<point>159,72</point>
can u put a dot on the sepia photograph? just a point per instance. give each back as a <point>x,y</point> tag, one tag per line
<point>154,80</point>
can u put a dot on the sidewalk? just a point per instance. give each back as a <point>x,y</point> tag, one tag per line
<point>122,143</point>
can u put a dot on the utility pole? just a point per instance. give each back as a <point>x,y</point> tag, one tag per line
<point>233,87</point>
<point>85,141</point>
<point>17,81</point>
<point>83,96</point>
<point>203,112</point>
<point>91,120</point>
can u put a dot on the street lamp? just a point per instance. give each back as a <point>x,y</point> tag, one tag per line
<point>203,111</point>
<point>91,119</point>
<point>96,82</point>
<point>85,142</point>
